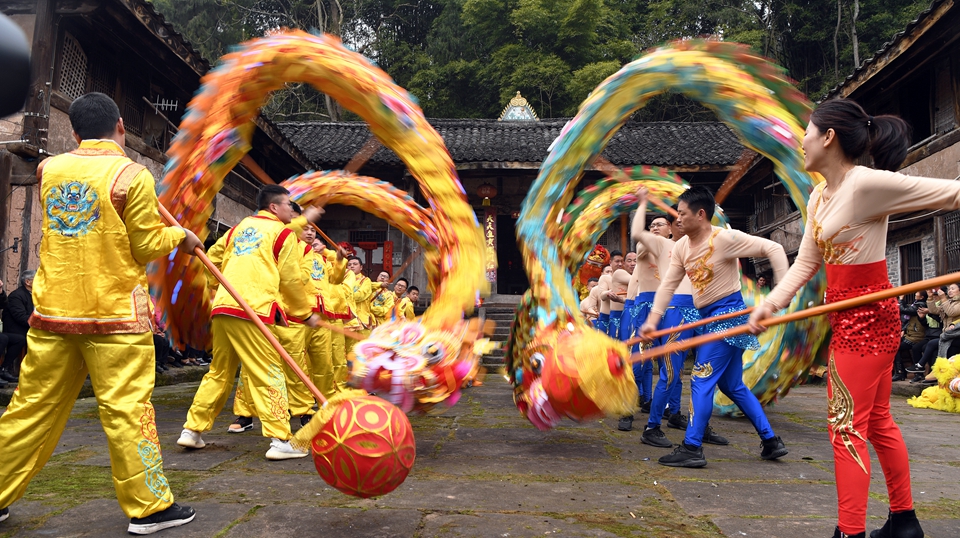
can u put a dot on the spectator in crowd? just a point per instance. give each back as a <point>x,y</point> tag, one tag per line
<point>913,334</point>
<point>944,302</point>
<point>16,323</point>
<point>763,285</point>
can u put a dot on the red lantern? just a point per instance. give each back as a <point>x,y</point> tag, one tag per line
<point>487,191</point>
<point>366,449</point>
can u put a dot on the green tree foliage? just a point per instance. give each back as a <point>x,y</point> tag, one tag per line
<point>467,58</point>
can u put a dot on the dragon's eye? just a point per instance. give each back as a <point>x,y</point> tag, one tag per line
<point>536,363</point>
<point>434,353</point>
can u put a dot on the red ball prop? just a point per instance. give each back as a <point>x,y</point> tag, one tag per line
<point>366,449</point>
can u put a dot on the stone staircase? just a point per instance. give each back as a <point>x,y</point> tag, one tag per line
<point>502,314</point>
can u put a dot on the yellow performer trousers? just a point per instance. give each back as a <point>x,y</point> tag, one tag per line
<point>238,342</point>
<point>121,368</point>
<point>301,402</point>
<point>320,357</point>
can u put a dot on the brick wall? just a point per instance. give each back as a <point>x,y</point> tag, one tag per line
<point>928,248</point>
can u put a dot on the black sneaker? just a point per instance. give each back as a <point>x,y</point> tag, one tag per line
<point>917,378</point>
<point>678,421</point>
<point>304,419</point>
<point>174,516</point>
<point>655,437</point>
<point>899,377</point>
<point>772,448</point>
<point>712,438</point>
<point>666,413</point>
<point>241,425</point>
<point>4,514</point>
<point>684,456</point>
<point>915,369</point>
<point>645,406</point>
<point>625,424</point>
<point>929,382</point>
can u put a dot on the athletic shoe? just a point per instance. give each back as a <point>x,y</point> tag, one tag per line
<point>684,456</point>
<point>645,406</point>
<point>281,450</point>
<point>915,369</point>
<point>625,424</point>
<point>240,425</point>
<point>190,439</point>
<point>4,514</point>
<point>678,421</point>
<point>655,437</point>
<point>174,516</point>
<point>929,382</point>
<point>917,378</point>
<point>773,448</point>
<point>712,438</point>
<point>899,377</point>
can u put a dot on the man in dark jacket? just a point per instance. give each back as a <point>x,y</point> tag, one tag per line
<point>16,316</point>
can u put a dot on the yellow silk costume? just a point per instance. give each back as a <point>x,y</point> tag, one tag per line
<point>359,292</point>
<point>293,340</point>
<point>262,261</point>
<point>327,373</point>
<point>404,309</point>
<point>100,216</point>
<point>381,305</point>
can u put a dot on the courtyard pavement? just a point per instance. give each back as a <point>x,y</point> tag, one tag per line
<point>483,471</point>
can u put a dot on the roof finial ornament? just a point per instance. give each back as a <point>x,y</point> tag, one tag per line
<point>518,110</point>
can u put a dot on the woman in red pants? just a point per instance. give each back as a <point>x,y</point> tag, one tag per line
<point>846,229</point>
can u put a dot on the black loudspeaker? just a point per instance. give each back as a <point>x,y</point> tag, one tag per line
<point>15,59</point>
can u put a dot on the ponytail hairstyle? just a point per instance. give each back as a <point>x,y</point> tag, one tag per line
<point>884,137</point>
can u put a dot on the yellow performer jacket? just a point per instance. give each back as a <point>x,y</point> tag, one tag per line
<point>97,204</point>
<point>261,259</point>
<point>404,308</point>
<point>381,304</point>
<point>324,277</point>
<point>359,291</point>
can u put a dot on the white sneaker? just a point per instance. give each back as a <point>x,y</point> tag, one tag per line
<point>190,439</point>
<point>281,450</point>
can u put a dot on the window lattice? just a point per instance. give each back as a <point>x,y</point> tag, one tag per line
<point>73,68</point>
<point>951,229</point>
<point>911,263</point>
<point>368,236</point>
<point>103,78</point>
<point>133,113</point>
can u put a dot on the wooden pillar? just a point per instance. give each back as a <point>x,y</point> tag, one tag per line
<point>490,243</point>
<point>624,246</point>
<point>36,121</point>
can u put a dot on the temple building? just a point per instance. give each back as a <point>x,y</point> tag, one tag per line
<point>497,160</point>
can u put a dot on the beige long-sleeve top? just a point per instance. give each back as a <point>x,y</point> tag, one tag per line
<point>590,306</point>
<point>603,284</point>
<point>661,250</point>
<point>849,225</point>
<point>713,265</point>
<point>620,282</point>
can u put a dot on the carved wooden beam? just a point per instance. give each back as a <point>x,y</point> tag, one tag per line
<point>748,159</point>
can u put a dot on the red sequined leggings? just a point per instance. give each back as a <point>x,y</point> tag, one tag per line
<point>864,343</point>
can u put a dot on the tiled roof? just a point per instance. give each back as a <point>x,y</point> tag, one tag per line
<point>332,145</point>
<point>917,25</point>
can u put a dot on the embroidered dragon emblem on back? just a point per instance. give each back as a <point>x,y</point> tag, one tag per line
<point>247,241</point>
<point>73,209</point>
